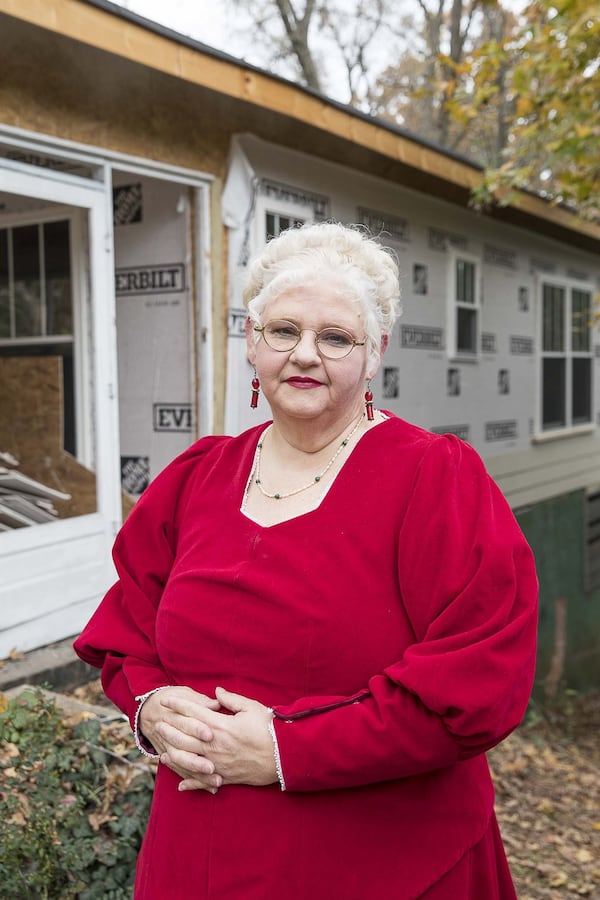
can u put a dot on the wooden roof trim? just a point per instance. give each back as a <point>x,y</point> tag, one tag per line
<point>108,32</point>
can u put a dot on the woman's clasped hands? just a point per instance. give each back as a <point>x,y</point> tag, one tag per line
<point>210,742</point>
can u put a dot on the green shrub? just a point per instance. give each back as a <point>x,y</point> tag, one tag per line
<point>75,800</point>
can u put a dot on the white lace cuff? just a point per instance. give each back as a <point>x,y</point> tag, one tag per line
<point>278,768</point>
<point>144,745</point>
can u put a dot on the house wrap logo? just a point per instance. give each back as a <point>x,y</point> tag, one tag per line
<point>165,279</point>
<point>127,204</point>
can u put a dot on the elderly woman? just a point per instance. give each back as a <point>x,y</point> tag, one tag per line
<point>320,626</point>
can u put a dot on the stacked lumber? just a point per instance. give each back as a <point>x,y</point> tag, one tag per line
<point>23,500</point>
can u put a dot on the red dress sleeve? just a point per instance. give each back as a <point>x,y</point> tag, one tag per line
<point>119,639</point>
<point>468,585</point>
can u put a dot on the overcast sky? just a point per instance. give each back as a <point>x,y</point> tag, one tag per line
<point>203,20</point>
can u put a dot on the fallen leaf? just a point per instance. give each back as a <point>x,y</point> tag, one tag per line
<point>546,806</point>
<point>96,820</point>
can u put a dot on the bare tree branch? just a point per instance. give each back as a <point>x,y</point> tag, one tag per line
<point>366,24</point>
<point>422,84</point>
<point>296,29</point>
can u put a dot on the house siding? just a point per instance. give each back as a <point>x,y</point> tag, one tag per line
<point>544,480</point>
<point>425,233</point>
<point>555,531</point>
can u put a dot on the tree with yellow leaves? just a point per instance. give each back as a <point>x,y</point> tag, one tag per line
<point>553,139</point>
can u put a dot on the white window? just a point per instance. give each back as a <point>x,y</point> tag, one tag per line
<point>464,307</point>
<point>276,211</point>
<point>566,355</point>
<point>276,222</point>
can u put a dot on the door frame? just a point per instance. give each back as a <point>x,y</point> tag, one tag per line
<point>54,575</point>
<point>91,197</point>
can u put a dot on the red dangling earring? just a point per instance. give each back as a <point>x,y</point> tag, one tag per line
<point>369,402</point>
<point>255,391</point>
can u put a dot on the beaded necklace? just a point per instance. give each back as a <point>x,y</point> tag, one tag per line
<point>278,495</point>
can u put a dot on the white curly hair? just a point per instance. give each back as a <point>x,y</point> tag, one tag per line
<point>356,266</point>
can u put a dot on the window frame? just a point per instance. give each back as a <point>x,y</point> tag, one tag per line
<point>454,304</point>
<point>268,205</point>
<point>80,318</point>
<point>92,200</point>
<point>569,286</point>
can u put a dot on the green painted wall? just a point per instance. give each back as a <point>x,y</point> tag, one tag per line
<point>555,531</point>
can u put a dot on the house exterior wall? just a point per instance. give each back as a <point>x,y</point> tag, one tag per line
<point>154,304</point>
<point>426,235</point>
<point>544,480</point>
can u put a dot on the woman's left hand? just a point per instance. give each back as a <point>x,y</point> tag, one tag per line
<point>241,748</point>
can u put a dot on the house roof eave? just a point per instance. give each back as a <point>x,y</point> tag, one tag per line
<point>341,131</point>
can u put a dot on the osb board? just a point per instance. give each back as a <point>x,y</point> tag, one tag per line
<point>31,428</point>
<point>76,92</point>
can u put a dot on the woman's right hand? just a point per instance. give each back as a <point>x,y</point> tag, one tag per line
<point>179,739</point>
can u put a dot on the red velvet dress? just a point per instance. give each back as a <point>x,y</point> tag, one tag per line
<point>392,629</point>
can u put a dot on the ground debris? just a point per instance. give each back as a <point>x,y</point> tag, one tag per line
<point>547,780</point>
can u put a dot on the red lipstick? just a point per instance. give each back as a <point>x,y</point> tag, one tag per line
<point>297,381</point>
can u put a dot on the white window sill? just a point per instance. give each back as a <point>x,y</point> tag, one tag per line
<point>464,358</point>
<point>559,433</point>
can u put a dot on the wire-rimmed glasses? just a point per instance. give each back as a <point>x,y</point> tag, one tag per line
<point>332,342</point>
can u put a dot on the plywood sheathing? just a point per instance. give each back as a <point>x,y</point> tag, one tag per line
<point>31,428</point>
<point>65,89</point>
<point>279,111</point>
